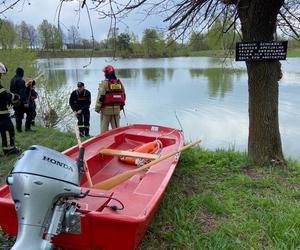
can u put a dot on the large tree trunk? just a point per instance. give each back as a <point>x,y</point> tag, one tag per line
<point>258,19</point>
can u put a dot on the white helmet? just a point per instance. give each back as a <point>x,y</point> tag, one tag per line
<point>3,69</point>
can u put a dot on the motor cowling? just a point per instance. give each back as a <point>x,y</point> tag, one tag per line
<point>40,183</point>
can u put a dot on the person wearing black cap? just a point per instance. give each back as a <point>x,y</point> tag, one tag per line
<point>18,86</point>
<point>80,101</point>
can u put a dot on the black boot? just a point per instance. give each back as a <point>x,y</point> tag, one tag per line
<point>14,151</point>
<point>19,125</point>
<point>81,131</point>
<point>28,127</point>
<point>87,132</point>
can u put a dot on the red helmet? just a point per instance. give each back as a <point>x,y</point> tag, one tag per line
<point>108,69</point>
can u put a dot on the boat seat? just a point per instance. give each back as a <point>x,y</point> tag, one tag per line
<point>108,151</point>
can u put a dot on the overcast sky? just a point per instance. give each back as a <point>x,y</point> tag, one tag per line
<point>47,9</point>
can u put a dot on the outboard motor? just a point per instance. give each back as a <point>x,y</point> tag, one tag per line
<point>41,184</point>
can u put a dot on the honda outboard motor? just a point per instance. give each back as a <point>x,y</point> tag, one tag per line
<point>41,183</point>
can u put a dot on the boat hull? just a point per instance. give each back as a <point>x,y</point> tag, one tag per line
<point>101,226</point>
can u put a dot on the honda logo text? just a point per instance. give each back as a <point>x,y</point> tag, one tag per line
<point>58,163</point>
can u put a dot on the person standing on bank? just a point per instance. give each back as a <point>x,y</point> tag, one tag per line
<point>18,86</point>
<point>31,96</point>
<point>80,101</point>
<point>6,126</point>
<point>110,100</point>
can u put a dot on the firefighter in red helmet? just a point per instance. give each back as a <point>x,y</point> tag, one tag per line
<point>110,100</point>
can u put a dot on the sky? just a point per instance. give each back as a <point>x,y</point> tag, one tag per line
<point>34,11</point>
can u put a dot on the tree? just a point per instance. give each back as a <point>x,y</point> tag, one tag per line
<point>198,41</point>
<point>137,49</point>
<point>27,35</point>
<point>258,21</point>
<point>171,47</point>
<point>56,36</point>
<point>44,30</point>
<point>214,35</point>
<point>33,38</point>
<point>50,36</point>
<point>73,36</point>
<point>123,44</point>
<point>153,43</point>
<point>8,34</point>
<point>217,39</point>
<point>23,33</point>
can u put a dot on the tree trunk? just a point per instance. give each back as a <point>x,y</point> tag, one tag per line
<point>258,20</point>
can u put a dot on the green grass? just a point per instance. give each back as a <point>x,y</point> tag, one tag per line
<point>74,53</point>
<point>216,200</point>
<point>293,53</point>
<point>13,58</point>
<point>43,136</point>
<point>109,53</point>
<point>212,53</point>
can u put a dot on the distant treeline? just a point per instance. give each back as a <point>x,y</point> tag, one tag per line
<point>48,38</point>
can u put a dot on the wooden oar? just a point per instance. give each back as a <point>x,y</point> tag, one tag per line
<point>118,179</point>
<point>34,79</point>
<point>108,151</point>
<point>85,166</point>
<point>39,76</point>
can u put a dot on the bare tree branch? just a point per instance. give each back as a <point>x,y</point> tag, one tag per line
<point>289,24</point>
<point>10,6</point>
<point>92,35</point>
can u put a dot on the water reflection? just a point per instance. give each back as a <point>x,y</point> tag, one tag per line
<point>170,73</point>
<point>211,102</point>
<point>56,78</point>
<point>219,80</point>
<point>156,75</point>
<point>128,73</point>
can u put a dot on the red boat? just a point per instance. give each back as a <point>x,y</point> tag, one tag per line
<point>101,226</point>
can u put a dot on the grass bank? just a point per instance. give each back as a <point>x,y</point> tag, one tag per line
<point>51,138</point>
<point>108,53</point>
<point>215,200</point>
<point>293,53</point>
<point>103,53</point>
<point>13,58</point>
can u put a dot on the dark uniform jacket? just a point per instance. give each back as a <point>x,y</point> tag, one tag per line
<point>31,95</point>
<point>6,99</point>
<point>17,86</point>
<point>81,100</point>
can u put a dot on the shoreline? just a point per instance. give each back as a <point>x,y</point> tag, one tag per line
<point>96,53</point>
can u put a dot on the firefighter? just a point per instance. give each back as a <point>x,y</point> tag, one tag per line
<point>6,125</point>
<point>110,100</point>
<point>19,87</point>
<point>31,96</point>
<point>80,101</point>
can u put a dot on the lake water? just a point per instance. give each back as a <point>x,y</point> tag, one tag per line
<point>207,97</point>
